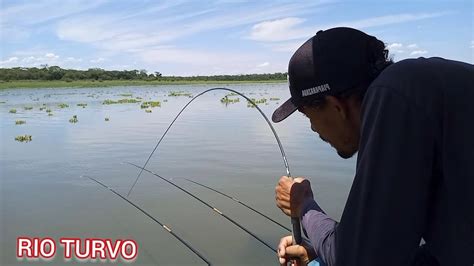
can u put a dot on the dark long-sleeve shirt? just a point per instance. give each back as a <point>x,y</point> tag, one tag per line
<point>415,173</point>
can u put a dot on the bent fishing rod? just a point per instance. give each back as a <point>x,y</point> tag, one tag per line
<point>297,238</point>
<point>165,227</point>
<point>206,204</point>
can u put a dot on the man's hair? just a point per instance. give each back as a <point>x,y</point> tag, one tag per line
<point>378,60</point>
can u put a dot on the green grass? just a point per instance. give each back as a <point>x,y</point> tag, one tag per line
<point>23,138</point>
<point>109,83</point>
<point>63,105</point>
<point>20,122</point>
<point>12,111</point>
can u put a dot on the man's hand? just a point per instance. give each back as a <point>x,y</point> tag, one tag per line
<point>287,252</point>
<point>290,194</point>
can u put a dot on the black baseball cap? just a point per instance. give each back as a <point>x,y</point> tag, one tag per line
<point>329,63</point>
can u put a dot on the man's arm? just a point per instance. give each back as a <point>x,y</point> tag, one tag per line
<point>320,229</point>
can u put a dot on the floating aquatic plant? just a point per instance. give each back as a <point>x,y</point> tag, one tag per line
<point>13,111</point>
<point>274,99</point>
<point>148,110</point>
<point>28,108</point>
<point>231,94</point>
<point>126,94</point>
<point>23,138</point>
<point>180,93</point>
<point>20,122</point>
<point>83,105</point>
<point>3,102</point>
<point>42,108</point>
<point>50,114</point>
<point>260,101</point>
<point>48,110</point>
<point>226,100</point>
<point>107,119</point>
<point>63,105</point>
<point>73,119</point>
<point>108,101</point>
<point>165,100</point>
<point>145,105</point>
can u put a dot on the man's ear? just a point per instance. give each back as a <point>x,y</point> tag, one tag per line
<point>338,105</point>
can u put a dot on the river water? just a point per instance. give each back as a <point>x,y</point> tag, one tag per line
<point>229,147</point>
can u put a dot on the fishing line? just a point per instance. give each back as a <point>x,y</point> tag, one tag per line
<point>165,227</point>
<point>207,204</point>
<point>294,221</point>
<point>240,202</point>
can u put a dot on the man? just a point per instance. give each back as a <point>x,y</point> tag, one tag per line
<point>412,198</point>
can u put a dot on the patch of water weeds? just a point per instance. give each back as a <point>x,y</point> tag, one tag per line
<point>73,119</point>
<point>20,122</point>
<point>108,101</point>
<point>151,104</point>
<point>257,102</point>
<point>24,138</point>
<point>180,93</point>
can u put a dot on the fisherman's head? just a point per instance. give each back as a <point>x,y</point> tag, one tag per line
<point>328,77</point>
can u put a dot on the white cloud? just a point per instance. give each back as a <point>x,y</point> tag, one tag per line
<point>73,59</point>
<point>265,64</point>
<point>278,30</point>
<point>389,20</point>
<point>395,45</point>
<point>51,56</point>
<point>396,48</point>
<point>97,60</point>
<point>13,59</point>
<point>418,52</point>
<point>290,28</point>
<point>400,49</point>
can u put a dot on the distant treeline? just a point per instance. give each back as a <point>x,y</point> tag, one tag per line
<point>57,73</point>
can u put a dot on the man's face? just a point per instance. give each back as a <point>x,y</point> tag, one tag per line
<point>333,123</point>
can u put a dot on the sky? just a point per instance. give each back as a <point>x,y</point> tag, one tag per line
<point>221,36</point>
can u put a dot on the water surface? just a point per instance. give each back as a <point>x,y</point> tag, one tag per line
<point>230,148</point>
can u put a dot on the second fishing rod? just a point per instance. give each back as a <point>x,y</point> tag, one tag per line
<point>297,237</point>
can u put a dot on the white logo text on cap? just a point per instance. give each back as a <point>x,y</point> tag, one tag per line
<point>314,90</point>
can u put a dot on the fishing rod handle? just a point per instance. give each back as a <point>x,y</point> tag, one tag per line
<point>297,239</point>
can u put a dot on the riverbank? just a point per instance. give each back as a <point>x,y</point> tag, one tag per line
<point>108,83</point>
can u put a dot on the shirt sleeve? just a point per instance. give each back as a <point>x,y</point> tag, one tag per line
<point>320,229</point>
<point>385,215</point>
